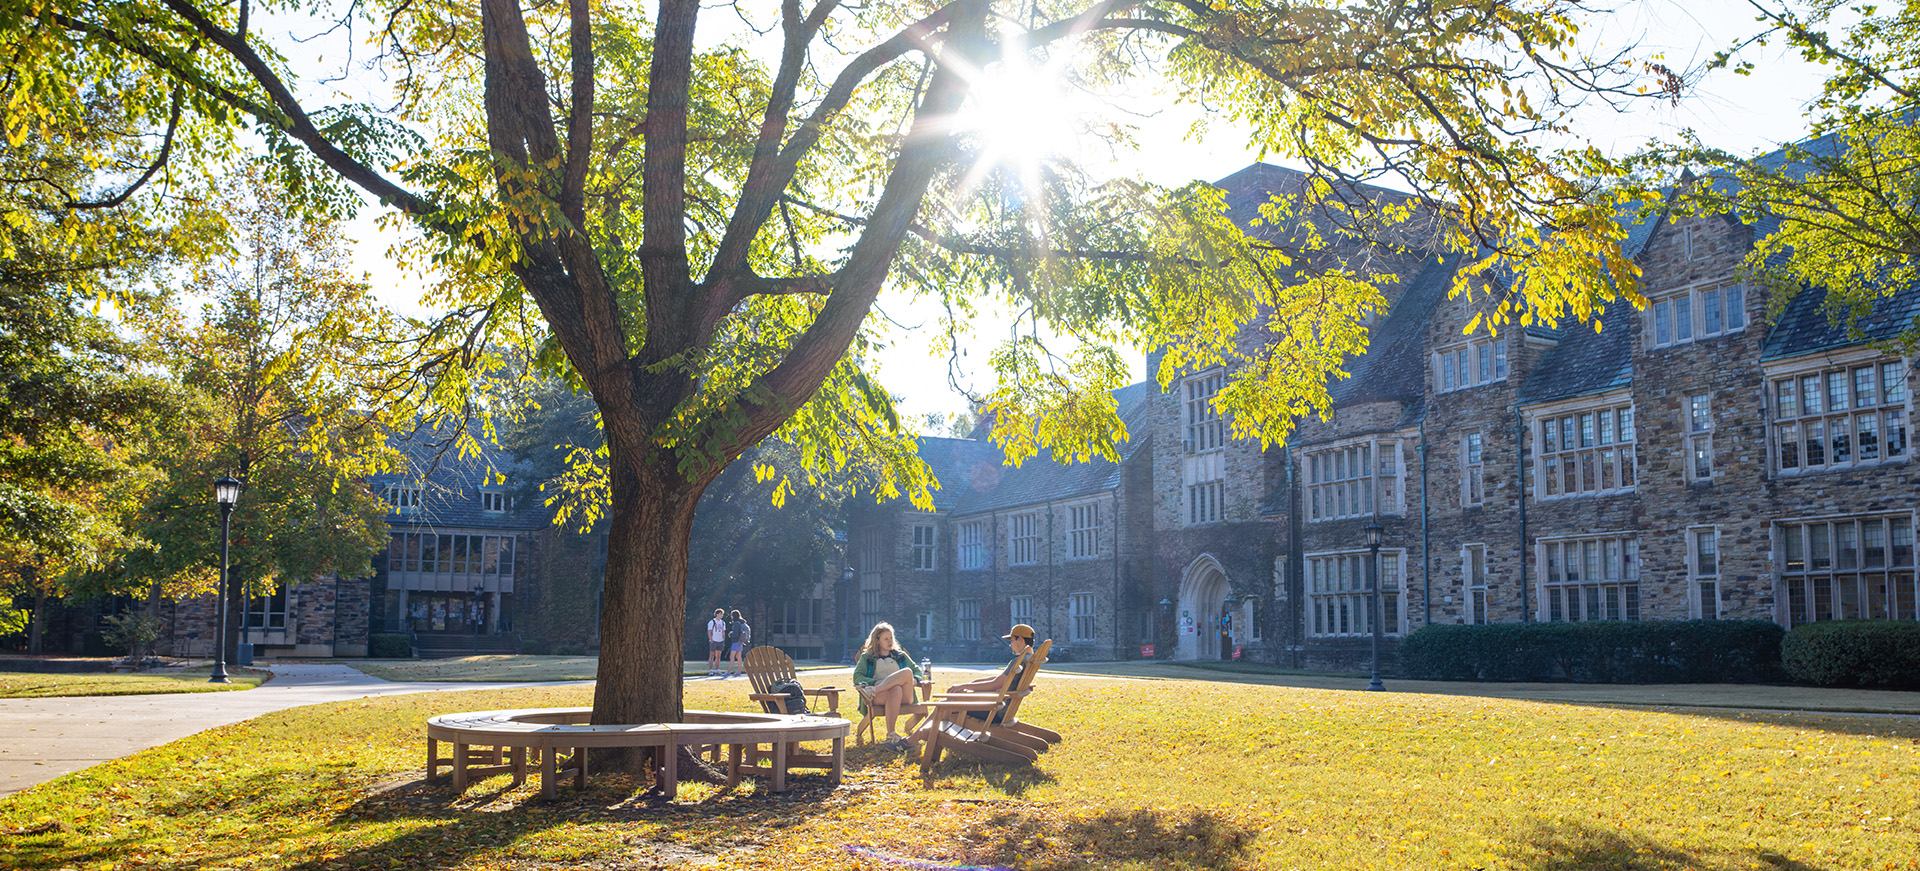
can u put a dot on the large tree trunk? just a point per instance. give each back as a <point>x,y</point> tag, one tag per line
<point>642,625</point>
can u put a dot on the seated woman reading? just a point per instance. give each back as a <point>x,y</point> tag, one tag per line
<point>885,677</point>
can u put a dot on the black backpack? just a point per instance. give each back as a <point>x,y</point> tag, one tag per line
<point>796,696</point>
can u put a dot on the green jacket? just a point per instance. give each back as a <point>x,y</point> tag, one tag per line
<point>863,669</point>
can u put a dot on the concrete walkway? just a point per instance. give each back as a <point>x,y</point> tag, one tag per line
<point>45,738</point>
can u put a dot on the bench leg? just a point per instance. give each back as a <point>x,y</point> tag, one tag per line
<point>839,759</point>
<point>580,768</point>
<point>519,765</point>
<point>779,766</point>
<point>433,758</point>
<point>733,765</point>
<point>459,767</point>
<point>548,774</point>
<point>670,771</point>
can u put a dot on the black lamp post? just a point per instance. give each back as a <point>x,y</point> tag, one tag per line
<point>479,605</point>
<point>1373,570</point>
<point>847,592</point>
<point>226,491</point>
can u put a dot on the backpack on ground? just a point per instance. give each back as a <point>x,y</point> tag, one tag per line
<point>796,702</point>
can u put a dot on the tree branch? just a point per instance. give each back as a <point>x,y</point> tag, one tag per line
<point>291,118</point>
<point>160,160</point>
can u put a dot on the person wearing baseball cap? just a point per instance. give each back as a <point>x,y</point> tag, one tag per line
<point>1020,640</point>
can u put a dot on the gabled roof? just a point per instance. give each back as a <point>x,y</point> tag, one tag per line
<point>1805,326</point>
<point>976,479</point>
<point>451,484</point>
<point>1584,361</point>
<point>960,466</point>
<point>1394,366</point>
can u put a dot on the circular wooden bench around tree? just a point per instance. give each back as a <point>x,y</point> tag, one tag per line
<point>496,742</point>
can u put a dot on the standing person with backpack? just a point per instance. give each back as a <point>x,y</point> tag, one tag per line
<point>716,641</point>
<point>739,635</point>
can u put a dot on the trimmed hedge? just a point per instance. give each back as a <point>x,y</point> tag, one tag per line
<point>389,645</point>
<point>1602,651</point>
<point>1881,654</point>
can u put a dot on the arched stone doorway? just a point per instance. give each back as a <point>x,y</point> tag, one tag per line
<point>1197,617</point>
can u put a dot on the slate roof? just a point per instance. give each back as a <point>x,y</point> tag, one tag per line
<point>1394,366</point>
<point>1584,362</point>
<point>959,465</point>
<point>451,484</point>
<point>974,477</point>
<point>1805,326</point>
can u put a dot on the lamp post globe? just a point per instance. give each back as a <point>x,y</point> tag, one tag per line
<point>226,491</point>
<point>1374,533</point>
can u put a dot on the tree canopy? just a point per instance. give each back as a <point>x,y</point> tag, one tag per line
<point>691,209</point>
<point>276,378</point>
<point>1843,205</point>
<point>79,404</point>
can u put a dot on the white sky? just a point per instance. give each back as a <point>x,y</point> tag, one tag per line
<point>1742,114</point>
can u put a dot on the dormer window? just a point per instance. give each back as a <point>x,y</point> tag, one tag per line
<point>1698,313</point>
<point>1475,363</point>
<point>493,501</point>
<point>403,500</point>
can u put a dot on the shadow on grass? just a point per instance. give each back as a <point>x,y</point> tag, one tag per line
<point>444,828</point>
<point>1037,838</point>
<point>1865,725</point>
<point>1581,848</point>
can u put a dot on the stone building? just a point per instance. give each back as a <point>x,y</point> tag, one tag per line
<point>1034,544</point>
<point>1693,460</point>
<point>470,565</point>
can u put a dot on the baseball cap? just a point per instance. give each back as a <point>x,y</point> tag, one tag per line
<point>1019,629</point>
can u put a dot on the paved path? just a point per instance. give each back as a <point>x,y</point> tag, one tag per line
<point>41,739</point>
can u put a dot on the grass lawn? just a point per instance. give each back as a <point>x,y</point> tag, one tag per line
<point>1154,774</point>
<point>490,669</point>
<point>483,669</point>
<point>27,685</point>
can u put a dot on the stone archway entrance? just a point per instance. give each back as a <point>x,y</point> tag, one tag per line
<point>1197,617</point>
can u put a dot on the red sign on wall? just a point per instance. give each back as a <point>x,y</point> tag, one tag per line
<point>1236,651</point>
<point>1146,651</point>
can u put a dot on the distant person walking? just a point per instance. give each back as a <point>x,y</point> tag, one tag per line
<point>739,635</point>
<point>716,641</point>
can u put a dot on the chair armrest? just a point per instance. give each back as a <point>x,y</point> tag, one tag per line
<point>767,697</point>
<point>970,698</point>
<point>926,689</point>
<point>831,694</point>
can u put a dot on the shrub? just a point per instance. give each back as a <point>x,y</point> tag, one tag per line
<point>569,650</point>
<point>389,645</point>
<point>1605,651</point>
<point>1854,653</point>
<point>535,646</point>
<point>132,633</point>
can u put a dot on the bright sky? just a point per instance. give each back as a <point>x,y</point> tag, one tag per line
<point>1742,114</point>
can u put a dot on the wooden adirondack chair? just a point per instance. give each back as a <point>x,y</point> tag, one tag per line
<point>955,726</point>
<point>863,733</point>
<point>764,665</point>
